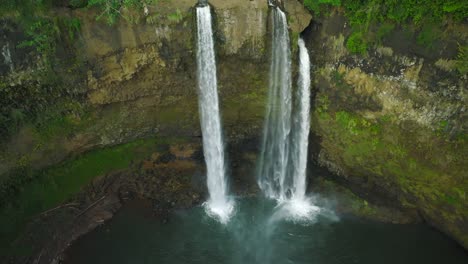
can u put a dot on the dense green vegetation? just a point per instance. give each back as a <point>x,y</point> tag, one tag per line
<point>109,10</point>
<point>462,59</point>
<point>381,17</point>
<point>317,5</point>
<point>363,12</point>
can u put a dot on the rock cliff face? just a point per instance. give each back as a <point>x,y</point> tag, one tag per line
<point>393,122</point>
<point>139,79</point>
<point>123,83</point>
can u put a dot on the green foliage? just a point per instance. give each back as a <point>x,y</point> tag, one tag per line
<point>112,10</point>
<point>356,43</point>
<point>428,35</point>
<point>73,26</point>
<point>66,118</point>
<point>458,9</point>
<point>44,33</point>
<point>404,11</point>
<point>462,59</point>
<point>383,31</point>
<point>26,9</point>
<point>176,16</point>
<point>316,5</point>
<point>42,36</point>
<point>382,149</point>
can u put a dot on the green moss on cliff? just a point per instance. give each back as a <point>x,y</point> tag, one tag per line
<point>40,103</point>
<point>250,106</point>
<point>53,85</point>
<point>462,59</point>
<point>425,166</point>
<point>400,11</point>
<point>54,186</point>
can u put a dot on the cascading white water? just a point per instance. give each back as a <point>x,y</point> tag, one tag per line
<point>219,205</point>
<point>283,159</point>
<point>272,167</point>
<point>299,206</point>
<point>300,135</point>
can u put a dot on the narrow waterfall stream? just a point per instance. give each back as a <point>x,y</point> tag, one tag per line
<point>273,161</point>
<point>299,206</point>
<point>219,205</point>
<point>301,127</point>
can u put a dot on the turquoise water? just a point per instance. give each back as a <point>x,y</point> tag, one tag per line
<point>189,236</point>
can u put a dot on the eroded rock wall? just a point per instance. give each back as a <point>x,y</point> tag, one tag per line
<point>392,122</point>
<point>139,79</point>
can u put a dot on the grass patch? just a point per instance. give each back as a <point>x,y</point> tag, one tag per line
<point>356,43</point>
<point>462,59</point>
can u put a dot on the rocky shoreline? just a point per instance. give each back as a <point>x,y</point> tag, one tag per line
<point>169,180</point>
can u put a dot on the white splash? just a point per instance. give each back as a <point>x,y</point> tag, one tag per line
<point>7,56</point>
<point>219,205</point>
<point>301,211</point>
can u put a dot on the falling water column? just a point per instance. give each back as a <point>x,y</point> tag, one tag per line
<point>219,205</point>
<point>300,135</point>
<point>283,159</point>
<point>272,167</point>
<point>299,207</point>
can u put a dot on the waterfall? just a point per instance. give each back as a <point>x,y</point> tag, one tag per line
<point>299,207</point>
<point>300,135</point>
<point>219,205</point>
<point>283,158</point>
<point>272,167</point>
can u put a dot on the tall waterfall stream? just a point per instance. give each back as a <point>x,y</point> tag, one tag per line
<point>274,156</point>
<point>219,204</point>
